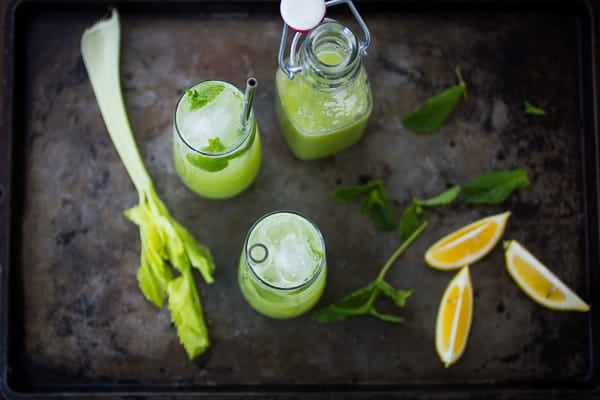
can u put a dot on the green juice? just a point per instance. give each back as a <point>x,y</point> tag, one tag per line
<point>214,155</point>
<point>318,122</point>
<point>282,269</point>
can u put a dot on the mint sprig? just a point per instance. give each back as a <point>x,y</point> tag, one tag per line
<point>200,99</point>
<point>362,301</point>
<point>495,187</point>
<point>441,199</point>
<point>376,202</point>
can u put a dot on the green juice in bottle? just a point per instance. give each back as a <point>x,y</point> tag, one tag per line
<point>325,107</point>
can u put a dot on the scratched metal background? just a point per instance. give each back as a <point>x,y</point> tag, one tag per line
<point>80,317</point>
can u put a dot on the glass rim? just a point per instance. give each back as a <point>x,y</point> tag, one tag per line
<point>317,270</point>
<point>341,31</point>
<point>247,135</point>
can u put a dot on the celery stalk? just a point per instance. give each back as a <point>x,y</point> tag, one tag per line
<point>164,242</point>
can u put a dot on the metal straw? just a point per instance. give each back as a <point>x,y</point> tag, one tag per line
<point>262,257</point>
<point>251,85</point>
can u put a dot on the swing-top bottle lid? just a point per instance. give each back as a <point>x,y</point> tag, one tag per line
<point>302,15</point>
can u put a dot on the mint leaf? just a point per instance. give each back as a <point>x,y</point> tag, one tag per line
<point>350,193</point>
<point>214,146</point>
<point>432,115</point>
<point>494,187</point>
<point>398,296</point>
<point>200,99</point>
<point>533,110</point>
<point>206,163</point>
<point>386,317</point>
<point>376,202</point>
<point>356,303</point>
<point>210,164</point>
<point>409,222</point>
<point>331,314</point>
<point>441,199</point>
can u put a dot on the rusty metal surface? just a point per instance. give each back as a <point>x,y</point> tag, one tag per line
<point>84,318</point>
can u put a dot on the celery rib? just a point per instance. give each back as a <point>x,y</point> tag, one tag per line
<point>164,240</point>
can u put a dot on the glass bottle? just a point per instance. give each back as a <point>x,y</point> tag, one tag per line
<point>324,101</point>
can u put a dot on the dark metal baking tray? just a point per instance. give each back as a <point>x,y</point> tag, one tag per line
<point>73,322</point>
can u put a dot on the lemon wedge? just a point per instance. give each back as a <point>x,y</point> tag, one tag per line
<point>538,282</point>
<point>454,318</point>
<point>467,244</point>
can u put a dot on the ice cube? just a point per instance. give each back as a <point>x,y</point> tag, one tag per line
<point>273,230</point>
<point>219,118</point>
<point>294,260</point>
<point>267,272</point>
<point>196,129</point>
<point>292,247</point>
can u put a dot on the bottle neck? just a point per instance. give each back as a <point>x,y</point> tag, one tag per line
<point>330,56</point>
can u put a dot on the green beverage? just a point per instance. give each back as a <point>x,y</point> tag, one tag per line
<point>282,268</point>
<point>324,101</point>
<point>216,151</point>
<point>324,125</point>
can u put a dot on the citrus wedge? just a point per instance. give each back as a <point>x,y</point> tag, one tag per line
<point>467,244</point>
<point>454,318</point>
<point>538,282</point>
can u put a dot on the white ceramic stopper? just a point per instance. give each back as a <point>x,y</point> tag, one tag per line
<point>302,15</point>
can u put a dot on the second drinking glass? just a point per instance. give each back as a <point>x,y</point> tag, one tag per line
<point>282,268</point>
